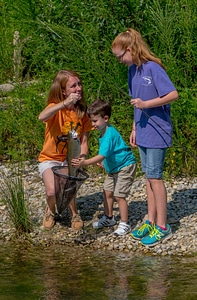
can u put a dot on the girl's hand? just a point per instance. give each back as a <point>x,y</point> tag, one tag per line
<point>138,103</point>
<point>71,100</point>
<point>133,138</point>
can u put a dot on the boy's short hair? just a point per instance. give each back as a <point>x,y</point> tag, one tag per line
<point>99,107</point>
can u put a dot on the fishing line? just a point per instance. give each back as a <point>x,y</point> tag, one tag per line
<point>149,117</point>
<point>121,91</point>
<point>117,87</point>
<point>43,23</point>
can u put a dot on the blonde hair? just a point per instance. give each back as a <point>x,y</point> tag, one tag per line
<point>59,84</point>
<point>139,48</point>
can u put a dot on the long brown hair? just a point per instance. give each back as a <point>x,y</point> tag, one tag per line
<point>59,84</point>
<point>139,48</point>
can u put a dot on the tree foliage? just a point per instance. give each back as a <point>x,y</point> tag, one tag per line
<point>58,34</point>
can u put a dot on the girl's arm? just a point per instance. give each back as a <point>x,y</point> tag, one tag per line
<point>48,112</point>
<point>133,136</point>
<point>159,101</point>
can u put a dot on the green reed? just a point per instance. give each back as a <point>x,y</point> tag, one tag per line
<point>13,197</point>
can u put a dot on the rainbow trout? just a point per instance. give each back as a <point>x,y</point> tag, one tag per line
<point>73,151</point>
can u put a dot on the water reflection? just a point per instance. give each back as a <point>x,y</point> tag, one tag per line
<point>79,274</point>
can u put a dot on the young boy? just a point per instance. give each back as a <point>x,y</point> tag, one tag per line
<point>119,162</point>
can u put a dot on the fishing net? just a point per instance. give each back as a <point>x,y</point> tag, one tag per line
<point>66,186</point>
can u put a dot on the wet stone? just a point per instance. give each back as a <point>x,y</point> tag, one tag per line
<point>182,215</point>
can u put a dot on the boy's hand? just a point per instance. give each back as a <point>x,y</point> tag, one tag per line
<point>77,162</point>
<point>100,165</point>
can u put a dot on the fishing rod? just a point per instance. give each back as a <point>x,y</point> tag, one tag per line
<point>148,116</point>
<point>104,75</point>
<point>120,90</point>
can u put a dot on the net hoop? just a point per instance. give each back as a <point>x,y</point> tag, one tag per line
<point>80,172</point>
<point>66,186</point>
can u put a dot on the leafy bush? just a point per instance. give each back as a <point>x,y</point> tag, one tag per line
<point>182,156</point>
<point>78,35</point>
<point>21,132</point>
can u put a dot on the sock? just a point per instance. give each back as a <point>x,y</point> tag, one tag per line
<point>163,228</point>
<point>109,217</point>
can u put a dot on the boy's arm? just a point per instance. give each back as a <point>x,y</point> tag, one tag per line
<point>78,162</point>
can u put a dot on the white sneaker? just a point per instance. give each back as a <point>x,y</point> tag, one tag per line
<point>104,222</point>
<point>123,228</point>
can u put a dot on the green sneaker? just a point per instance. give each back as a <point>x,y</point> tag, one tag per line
<point>156,236</point>
<point>141,232</point>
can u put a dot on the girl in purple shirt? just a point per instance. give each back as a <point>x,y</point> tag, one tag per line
<point>152,92</point>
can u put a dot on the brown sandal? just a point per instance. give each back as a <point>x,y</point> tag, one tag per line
<point>76,222</point>
<point>48,219</point>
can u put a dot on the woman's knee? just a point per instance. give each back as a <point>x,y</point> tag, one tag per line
<point>50,193</point>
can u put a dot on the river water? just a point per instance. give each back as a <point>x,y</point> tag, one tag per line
<point>81,274</point>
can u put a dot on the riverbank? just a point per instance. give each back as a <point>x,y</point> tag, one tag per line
<point>182,216</point>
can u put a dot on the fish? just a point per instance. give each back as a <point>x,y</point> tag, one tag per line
<point>73,151</point>
<point>67,182</point>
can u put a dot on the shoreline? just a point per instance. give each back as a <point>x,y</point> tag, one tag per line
<point>182,216</point>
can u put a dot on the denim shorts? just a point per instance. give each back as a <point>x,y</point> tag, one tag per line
<point>152,161</point>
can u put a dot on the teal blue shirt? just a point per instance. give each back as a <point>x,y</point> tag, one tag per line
<point>116,152</point>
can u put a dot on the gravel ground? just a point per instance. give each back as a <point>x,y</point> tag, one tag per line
<point>182,216</point>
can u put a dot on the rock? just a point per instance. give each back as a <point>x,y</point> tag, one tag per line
<point>182,216</point>
<point>7,87</point>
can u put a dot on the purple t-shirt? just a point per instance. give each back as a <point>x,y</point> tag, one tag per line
<point>153,125</point>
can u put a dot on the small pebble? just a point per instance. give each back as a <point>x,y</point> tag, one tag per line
<point>182,215</point>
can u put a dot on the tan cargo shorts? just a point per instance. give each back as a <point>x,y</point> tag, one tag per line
<point>120,183</point>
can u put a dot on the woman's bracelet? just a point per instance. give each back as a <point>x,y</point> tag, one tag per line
<point>133,129</point>
<point>82,155</point>
<point>64,105</point>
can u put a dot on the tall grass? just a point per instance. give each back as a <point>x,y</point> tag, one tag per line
<point>13,196</point>
<point>171,34</point>
<point>78,35</point>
